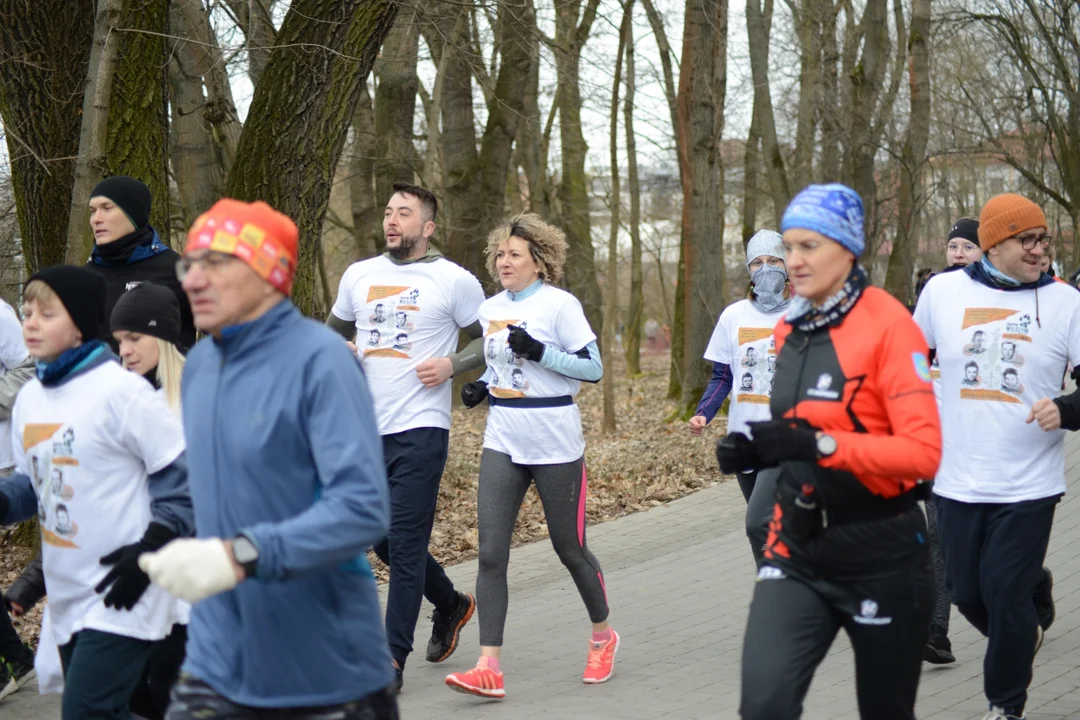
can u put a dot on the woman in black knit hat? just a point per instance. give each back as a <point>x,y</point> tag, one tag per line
<point>146,327</point>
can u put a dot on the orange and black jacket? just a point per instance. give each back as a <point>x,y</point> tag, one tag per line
<point>866,382</point>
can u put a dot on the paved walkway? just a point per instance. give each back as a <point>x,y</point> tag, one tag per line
<point>680,578</point>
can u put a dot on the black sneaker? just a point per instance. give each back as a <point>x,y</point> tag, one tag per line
<point>8,684</point>
<point>399,680</point>
<point>938,651</point>
<point>1044,600</point>
<point>445,629</point>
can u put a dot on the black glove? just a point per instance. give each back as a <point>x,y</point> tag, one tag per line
<point>472,394</point>
<point>127,579</point>
<point>524,345</point>
<point>778,441</point>
<point>735,453</point>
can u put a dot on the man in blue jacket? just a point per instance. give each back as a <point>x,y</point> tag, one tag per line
<point>289,489</point>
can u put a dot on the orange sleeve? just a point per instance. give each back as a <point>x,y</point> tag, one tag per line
<point>912,450</point>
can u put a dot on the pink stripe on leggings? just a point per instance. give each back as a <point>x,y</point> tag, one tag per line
<point>581,507</point>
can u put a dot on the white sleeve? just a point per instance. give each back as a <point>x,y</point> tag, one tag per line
<point>343,307</point>
<point>924,314</point>
<point>1074,334</point>
<point>719,348</point>
<point>148,428</point>
<point>467,296</point>
<point>12,349</point>
<point>18,451</point>
<point>572,327</point>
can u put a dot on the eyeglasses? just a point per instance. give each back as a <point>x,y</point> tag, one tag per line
<point>210,262</point>
<point>1028,243</point>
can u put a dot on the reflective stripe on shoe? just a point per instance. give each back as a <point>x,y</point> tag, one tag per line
<point>479,681</point>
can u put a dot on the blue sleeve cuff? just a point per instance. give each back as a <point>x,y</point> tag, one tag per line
<point>717,391</point>
<point>22,500</point>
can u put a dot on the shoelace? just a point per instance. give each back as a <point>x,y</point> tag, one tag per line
<point>596,655</point>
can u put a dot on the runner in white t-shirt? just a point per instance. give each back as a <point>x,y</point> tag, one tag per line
<point>100,459</point>
<point>405,309</point>
<point>1004,333</point>
<point>743,355</point>
<point>543,347</point>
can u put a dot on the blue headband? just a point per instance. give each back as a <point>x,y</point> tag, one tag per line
<point>834,210</point>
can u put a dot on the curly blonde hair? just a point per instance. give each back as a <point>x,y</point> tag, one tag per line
<point>547,244</point>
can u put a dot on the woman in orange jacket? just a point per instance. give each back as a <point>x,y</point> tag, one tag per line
<point>854,428</point>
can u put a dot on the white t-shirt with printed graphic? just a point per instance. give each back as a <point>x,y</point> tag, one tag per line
<point>12,354</point>
<point>743,340</point>
<point>405,314</point>
<point>533,436</point>
<point>998,353</point>
<point>88,446</point>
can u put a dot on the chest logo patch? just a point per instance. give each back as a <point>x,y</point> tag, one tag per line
<point>922,367</point>
<point>824,389</point>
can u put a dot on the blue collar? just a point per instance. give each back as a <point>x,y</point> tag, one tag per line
<point>985,273</point>
<point>73,362</point>
<point>237,337</point>
<point>527,292</point>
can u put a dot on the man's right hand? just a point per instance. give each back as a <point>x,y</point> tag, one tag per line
<point>697,425</point>
<point>352,347</point>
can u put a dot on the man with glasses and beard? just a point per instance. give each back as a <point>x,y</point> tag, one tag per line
<point>412,404</point>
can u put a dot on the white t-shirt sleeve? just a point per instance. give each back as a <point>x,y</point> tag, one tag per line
<point>572,327</point>
<point>467,296</point>
<point>1074,335</point>
<point>924,314</point>
<point>17,451</point>
<point>12,349</point>
<point>719,348</point>
<point>343,307</point>
<point>149,429</point>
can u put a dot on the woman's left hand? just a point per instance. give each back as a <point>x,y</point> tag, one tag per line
<point>778,441</point>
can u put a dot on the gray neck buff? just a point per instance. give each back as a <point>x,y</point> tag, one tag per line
<point>769,283</point>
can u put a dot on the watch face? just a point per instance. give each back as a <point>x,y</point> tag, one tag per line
<point>826,445</point>
<point>244,551</point>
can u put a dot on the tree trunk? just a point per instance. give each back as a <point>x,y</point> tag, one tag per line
<point>395,106</point>
<point>573,184</point>
<point>809,81</point>
<point>44,50</point>
<point>367,226</point>
<point>462,229</point>
<point>219,109</point>
<point>93,136</point>
<point>300,116</point>
<point>198,168</point>
<point>632,336</point>
<point>531,131</point>
<point>830,124</point>
<point>750,189</point>
<point>611,284</point>
<point>256,21</point>
<point>702,93</point>
<point>902,260</point>
<point>757,22</point>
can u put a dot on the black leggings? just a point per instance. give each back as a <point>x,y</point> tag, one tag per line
<point>502,487</point>
<point>792,625</point>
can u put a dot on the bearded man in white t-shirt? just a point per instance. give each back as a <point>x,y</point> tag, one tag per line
<point>996,489</point>
<point>408,374</point>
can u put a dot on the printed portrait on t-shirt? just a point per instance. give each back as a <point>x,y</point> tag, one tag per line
<point>492,353</point>
<point>971,373</point>
<point>401,320</point>
<point>63,447</point>
<point>57,481</point>
<point>1010,381</point>
<point>768,386</point>
<point>509,352</point>
<point>770,363</point>
<point>747,382</point>
<point>379,316</point>
<point>401,341</point>
<point>517,379</point>
<point>977,345</point>
<point>374,338</point>
<point>35,476</point>
<point>64,525</point>
<point>751,358</point>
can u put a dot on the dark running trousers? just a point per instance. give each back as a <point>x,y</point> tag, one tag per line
<point>192,699</point>
<point>759,510</point>
<point>562,490</point>
<point>101,673</point>
<point>792,626</point>
<point>943,604</point>
<point>151,697</point>
<point>414,464</point>
<point>994,557</point>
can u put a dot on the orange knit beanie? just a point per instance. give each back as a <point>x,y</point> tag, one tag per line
<point>1005,216</point>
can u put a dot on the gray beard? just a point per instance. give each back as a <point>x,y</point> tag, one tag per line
<point>405,248</point>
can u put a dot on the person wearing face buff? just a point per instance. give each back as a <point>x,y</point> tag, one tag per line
<point>745,329</point>
<point>854,429</point>
<point>127,250</point>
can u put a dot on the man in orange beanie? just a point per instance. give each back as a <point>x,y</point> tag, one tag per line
<point>291,491</point>
<point>1012,329</point>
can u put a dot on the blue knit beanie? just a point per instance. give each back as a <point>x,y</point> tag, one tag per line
<point>834,210</point>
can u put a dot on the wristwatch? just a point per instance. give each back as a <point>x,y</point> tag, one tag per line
<point>246,554</point>
<point>826,445</point>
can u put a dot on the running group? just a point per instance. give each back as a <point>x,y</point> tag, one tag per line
<point>206,508</point>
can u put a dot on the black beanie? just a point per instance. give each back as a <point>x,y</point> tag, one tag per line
<point>82,294</point>
<point>967,229</point>
<point>131,195</point>
<point>148,309</point>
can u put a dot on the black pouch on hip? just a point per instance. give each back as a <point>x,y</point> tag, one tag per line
<point>801,510</point>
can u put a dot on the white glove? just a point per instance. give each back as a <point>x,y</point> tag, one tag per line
<point>192,570</point>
